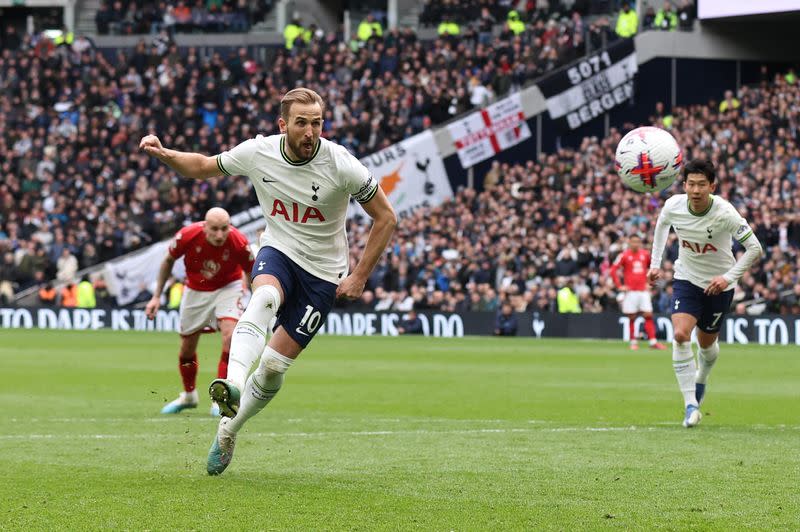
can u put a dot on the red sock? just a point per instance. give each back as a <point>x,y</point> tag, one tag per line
<point>222,368</point>
<point>188,369</point>
<point>650,327</point>
<point>632,330</point>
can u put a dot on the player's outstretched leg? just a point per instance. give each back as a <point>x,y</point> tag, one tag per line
<point>706,358</point>
<point>221,452</point>
<point>685,367</point>
<point>261,387</point>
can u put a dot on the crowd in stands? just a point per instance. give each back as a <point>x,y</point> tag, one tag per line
<point>73,178</point>
<point>559,222</point>
<point>75,190</point>
<point>131,17</point>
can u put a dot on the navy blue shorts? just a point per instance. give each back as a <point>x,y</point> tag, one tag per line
<point>709,310</point>
<point>307,299</point>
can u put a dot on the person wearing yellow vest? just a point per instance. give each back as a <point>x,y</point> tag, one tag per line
<point>627,22</point>
<point>86,297</point>
<point>65,37</point>
<point>790,77</point>
<point>293,31</point>
<point>448,27</point>
<point>175,294</point>
<point>368,28</point>
<point>666,18</point>
<point>665,118</point>
<point>568,302</point>
<point>514,23</point>
<point>730,102</point>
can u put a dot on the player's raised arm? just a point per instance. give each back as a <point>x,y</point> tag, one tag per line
<point>193,165</point>
<point>384,220</point>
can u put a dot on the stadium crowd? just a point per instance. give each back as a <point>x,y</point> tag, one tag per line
<point>75,191</point>
<point>560,221</point>
<point>131,17</point>
<point>71,118</point>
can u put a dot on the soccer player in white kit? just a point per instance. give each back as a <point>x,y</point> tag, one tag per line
<point>304,184</point>
<point>706,273</point>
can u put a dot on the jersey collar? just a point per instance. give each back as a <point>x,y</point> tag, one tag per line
<point>710,203</point>
<point>298,163</point>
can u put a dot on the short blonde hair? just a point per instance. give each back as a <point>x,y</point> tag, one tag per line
<point>300,95</point>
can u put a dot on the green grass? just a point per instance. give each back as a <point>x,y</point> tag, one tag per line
<point>399,433</point>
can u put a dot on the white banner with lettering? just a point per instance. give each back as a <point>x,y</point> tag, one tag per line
<point>130,276</point>
<point>486,133</point>
<point>411,174</point>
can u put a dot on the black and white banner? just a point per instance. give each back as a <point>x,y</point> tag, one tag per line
<point>592,86</point>
<point>762,330</point>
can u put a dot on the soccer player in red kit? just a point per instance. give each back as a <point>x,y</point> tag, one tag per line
<point>218,261</point>
<point>635,262</point>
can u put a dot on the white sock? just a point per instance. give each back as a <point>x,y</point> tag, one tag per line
<point>261,387</point>
<point>188,398</point>
<point>685,369</point>
<point>706,359</point>
<point>251,333</point>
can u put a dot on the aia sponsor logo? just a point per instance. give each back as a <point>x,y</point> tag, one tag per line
<point>292,213</point>
<point>708,247</point>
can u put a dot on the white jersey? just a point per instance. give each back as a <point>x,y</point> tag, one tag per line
<point>304,203</point>
<point>705,239</point>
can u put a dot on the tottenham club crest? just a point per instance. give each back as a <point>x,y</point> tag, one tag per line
<point>315,189</point>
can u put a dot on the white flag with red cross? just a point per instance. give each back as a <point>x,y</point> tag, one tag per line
<point>484,134</point>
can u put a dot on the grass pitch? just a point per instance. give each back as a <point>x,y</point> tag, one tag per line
<point>399,433</point>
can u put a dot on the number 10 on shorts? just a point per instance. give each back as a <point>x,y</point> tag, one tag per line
<point>310,321</point>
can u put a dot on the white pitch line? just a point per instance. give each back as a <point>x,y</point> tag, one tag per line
<point>322,434</point>
<point>206,419</point>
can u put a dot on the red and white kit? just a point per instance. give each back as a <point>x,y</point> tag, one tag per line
<point>214,289</point>
<point>634,270</point>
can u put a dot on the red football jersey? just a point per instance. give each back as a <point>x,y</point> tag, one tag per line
<point>634,269</point>
<point>210,267</point>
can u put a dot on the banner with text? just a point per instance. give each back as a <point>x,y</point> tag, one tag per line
<point>130,276</point>
<point>762,330</point>
<point>484,134</point>
<point>592,86</point>
<point>411,173</point>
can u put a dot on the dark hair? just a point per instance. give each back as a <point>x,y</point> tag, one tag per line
<point>700,166</point>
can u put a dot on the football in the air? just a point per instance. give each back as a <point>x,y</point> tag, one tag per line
<point>648,159</point>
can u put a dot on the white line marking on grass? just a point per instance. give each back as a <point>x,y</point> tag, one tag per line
<point>205,418</point>
<point>322,434</point>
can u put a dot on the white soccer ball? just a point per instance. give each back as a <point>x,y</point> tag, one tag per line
<point>648,159</point>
